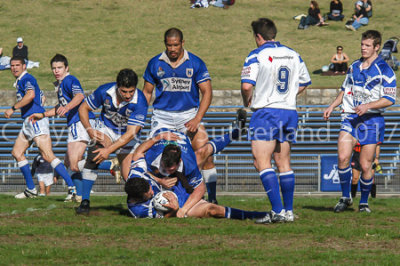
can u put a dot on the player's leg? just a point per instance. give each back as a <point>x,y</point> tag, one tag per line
<point>125,161</point>
<point>74,161</point>
<point>366,158</point>
<point>42,188</point>
<point>209,171</point>
<point>286,177</point>
<point>346,143</point>
<point>354,182</point>
<point>18,152</point>
<point>204,209</point>
<point>43,142</point>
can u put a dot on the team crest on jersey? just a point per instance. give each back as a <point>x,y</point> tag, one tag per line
<point>189,72</point>
<point>160,72</point>
<point>128,112</point>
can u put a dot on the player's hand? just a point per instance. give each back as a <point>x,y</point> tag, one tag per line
<point>168,182</point>
<point>102,155</point>
<point>35,117</point>
<point>167,136</point>
<point>361,109</point>
<point>62,110</point>
<point>8,113</point>
<point>327,113</point>
<point>193,125</point>
<point>172,201</point>
<point>181,213</point>
<point>96,135</point>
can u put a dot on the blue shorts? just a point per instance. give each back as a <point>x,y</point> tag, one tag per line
<point>367,129</point>
<point>271,123</point>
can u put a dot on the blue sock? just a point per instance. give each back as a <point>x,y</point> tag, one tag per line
<point>77,179</point>
<point>345,180</point>
<point>26,172</point>
<point>86,188</point>
<point>221,142</point>
<point>212,191</point>
<point>105,165</point>
<point>365,186</point>
<point>59,167</point>
<point>232,213</point>
<point>287,183</point>
<point>271,186</point>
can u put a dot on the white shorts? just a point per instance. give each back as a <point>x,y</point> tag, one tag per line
<point>171,120</point>
<point>127,149</point>
<point>77,132</point>
<point>32,130</point>
<point>47,179</point>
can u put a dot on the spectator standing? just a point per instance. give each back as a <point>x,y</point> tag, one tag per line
<point>20,50</point>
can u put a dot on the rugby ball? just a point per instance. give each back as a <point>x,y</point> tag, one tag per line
<point>159,200</point>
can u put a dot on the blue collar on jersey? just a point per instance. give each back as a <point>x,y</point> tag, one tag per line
<point>165,58</point>
<point>271,44</point>
<point>113,93</point>
<point>19,78</point>
<point>376,60</point>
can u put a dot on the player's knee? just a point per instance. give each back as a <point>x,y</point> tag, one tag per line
<point>343,160</point>
<point>214,211</point>
<point>48,156</point>
<point>18,155</point>
<point>74,167</point>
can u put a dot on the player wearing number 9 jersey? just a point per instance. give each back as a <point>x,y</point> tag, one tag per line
<point>272,76</point>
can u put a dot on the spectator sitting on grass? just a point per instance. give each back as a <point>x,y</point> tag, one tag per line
<point>314,17</point>
<point>336,10</point>
<point>339,61</point>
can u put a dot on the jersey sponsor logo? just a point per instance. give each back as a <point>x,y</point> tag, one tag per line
<point>177,84</point>
<point>160,72</point>
<point>189,72</point>
<point>390,92</point>
<point>246,72</point>
<point>140,117</point>
<point>270,59</point>
<point>286,57</point>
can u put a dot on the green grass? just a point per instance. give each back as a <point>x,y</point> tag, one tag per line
<point>101,37</point>
<point>47,231</point>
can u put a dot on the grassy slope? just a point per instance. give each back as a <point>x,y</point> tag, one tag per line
<point>101,37</point>
<point>108,236</point>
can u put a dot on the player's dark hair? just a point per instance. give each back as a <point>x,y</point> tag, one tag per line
<point>59,58</point>
<point>265,27</point>
<point>185,183</point>
<point>315,4</point>
<point>339,47</point>
<point>18,58</point>
<point>136,188</point>
<point>373,35</point>
<point>171,155</point>
<point>173,32</point>
<point>127,78</point>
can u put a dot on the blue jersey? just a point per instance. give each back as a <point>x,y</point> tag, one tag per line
<point>118,117</point>
<point>23,84</point>
<point>177,89</point>
<point>66,91</point>
<point>365,85</point>
<point>188,165</point>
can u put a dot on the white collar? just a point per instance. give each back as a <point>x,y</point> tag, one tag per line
<point>157,164</point>
<point>57,83</point>
<point>165,58</point>
<point>113,93</point>
<point>19,78</point>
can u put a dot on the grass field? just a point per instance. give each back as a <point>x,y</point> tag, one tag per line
<point>101,37</point>
<point>46,231</point>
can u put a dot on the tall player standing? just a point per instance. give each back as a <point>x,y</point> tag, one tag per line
<point>369,87</point>
<point>272,77</point>
<point>70,96</point>
<point>29,101</point>
<point>179,77</point>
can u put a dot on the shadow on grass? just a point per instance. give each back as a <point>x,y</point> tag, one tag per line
<point>117,209</point>
<point>323,208</point>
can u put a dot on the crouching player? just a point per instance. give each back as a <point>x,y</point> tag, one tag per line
<point>123,114</point>
<point>170,160</point>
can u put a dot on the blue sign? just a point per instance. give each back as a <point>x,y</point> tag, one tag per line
<point>329,173</point>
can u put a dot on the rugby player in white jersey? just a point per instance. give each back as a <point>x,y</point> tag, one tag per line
<point>272,77</point>
<point>179,77</point>
<point>369,87</point>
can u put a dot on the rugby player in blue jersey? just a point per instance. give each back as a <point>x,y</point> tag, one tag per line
<point>123,114</point>
<point>169,159</point>
<point>29,100</point>
<point>70,96</point>
<point>369,87</point>
<point>272,77</point>
<point>179,77</point>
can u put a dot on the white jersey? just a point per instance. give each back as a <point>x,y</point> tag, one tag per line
<point>277,72</point>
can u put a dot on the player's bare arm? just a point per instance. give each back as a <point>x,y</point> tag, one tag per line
<point>28,98</point>
<point>104,153</point>
<point>301,89</point>
<point>381,103</point>
<point>336,102</point>
<point>95,135</point>
<point>145,146</point>
<point>148,91</point>
<point>195,197</point>
<point>78,98</point>
<point>247,93</point>
<point>172,204</point>
<point>37,116</point>
<point>206,91</point>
